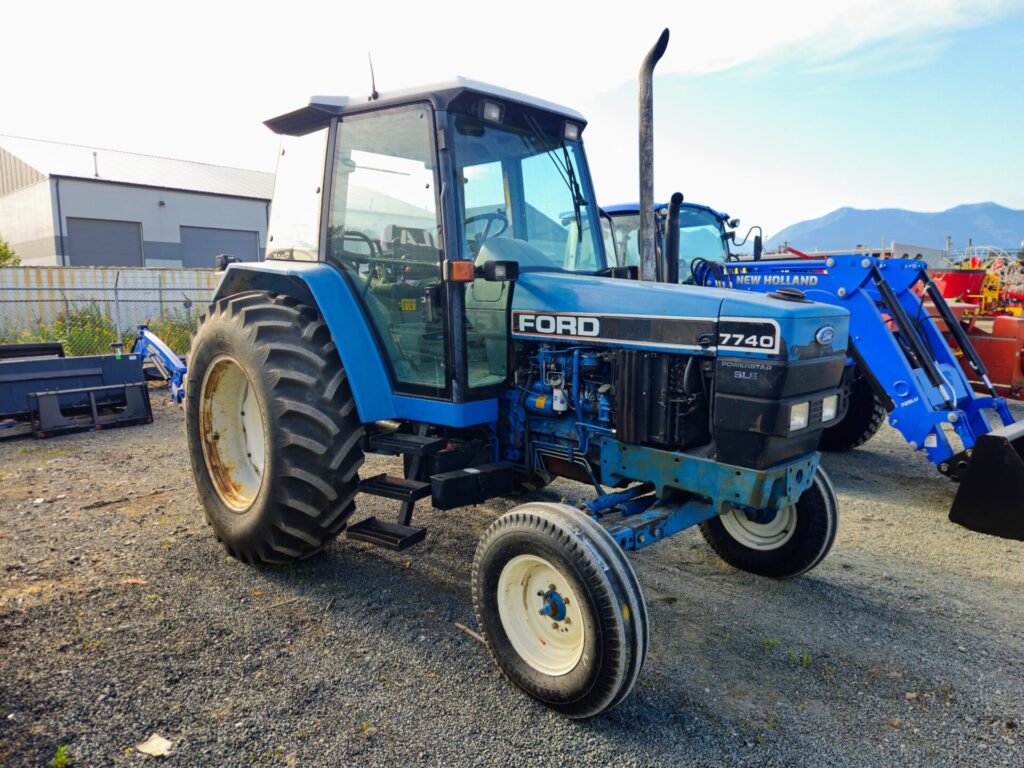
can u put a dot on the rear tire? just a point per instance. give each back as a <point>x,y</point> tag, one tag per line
<point>865,415</point>
<point>583,657</point>
<point>273,434</point>
<point>793,542</point>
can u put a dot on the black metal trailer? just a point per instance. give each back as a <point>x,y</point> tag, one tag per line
<point>43,393</point>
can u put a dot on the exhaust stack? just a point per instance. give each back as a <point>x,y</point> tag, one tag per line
<point>648,253</point>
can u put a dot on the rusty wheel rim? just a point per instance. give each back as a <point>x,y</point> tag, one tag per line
<point>231,433</point>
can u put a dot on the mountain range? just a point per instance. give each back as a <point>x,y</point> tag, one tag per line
<point>982,223</point>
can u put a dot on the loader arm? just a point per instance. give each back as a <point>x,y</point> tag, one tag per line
<point>171,367</point>
<point>897,343</point>
<point>902,349</point>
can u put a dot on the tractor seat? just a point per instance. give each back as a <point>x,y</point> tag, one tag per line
<point>414,244</point>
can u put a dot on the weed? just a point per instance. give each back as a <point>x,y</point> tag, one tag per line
<point>770,643</point>
<point>804,659</point>
<point>175,329</point>
<point>89,330</point>
<point>61,759</point>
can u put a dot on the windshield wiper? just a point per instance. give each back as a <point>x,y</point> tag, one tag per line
<point>574,187</point>
<point>565,170</point>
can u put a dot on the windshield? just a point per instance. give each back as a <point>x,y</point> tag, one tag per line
<point>700,237</point>
<point>524,197</point>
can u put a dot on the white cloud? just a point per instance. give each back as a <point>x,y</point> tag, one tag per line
<point>195,79</point>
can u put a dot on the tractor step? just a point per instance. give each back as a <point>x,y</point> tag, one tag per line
<point>406,444</point>
<point>391,487</point>
<point>388,535</point>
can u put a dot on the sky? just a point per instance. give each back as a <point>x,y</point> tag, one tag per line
<point>775,112</point>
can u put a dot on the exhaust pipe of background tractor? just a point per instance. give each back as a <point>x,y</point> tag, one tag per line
<point>670,269</point>
<point>648,252</point>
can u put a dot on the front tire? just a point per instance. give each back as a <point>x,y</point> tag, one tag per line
<point>273,434</point>
<point>560,607</point>
<point>791,542</point>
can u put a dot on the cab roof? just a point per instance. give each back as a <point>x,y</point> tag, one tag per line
<point>321,109</point>
<point>612,210</point>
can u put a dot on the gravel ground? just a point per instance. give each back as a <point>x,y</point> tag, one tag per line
<point>121,617</point>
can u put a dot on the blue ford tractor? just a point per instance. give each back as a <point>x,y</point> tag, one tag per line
<point>422,297</point>
<point>904,348</point>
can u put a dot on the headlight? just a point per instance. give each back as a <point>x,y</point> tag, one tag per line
<point>829,407</point>
<point>799,414</point>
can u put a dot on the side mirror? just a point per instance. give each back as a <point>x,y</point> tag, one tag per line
<point>223,259</point>
<point>499,271</point>
<point>758,247</point>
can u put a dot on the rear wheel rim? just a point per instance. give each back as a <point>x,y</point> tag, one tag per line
<point>541,615</point>
<point>761,536</point>
<point>231,433</point>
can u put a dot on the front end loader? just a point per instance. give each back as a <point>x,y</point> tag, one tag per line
<point>909,358</point>
<point>424,297</point>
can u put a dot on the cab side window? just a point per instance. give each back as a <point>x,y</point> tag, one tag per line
<point>383,230</point>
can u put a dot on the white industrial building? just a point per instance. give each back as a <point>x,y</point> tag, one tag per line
<point>69,205</point>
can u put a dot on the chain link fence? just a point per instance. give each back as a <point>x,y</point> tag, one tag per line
<point>89,319</point>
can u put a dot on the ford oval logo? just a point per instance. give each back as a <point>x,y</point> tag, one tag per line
<point>825,335</point>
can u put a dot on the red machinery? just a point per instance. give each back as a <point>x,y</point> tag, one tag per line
<point>987,301</point>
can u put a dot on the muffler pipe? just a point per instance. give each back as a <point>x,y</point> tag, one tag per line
<point>671,267</point>
<point>648,252</point>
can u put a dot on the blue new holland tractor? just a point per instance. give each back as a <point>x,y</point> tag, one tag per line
<point>422,297</point>
<point>900,364</point>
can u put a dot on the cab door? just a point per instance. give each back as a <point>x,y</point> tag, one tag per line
<point>384,232</point>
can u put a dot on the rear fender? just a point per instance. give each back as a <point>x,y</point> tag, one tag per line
<point>323,286</point>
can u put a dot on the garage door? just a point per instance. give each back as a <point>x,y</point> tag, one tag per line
<point>104,243</point>
<point>200,245</point>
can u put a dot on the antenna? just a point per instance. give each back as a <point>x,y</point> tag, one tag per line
<point>373,82</point>
<point>96,164</point>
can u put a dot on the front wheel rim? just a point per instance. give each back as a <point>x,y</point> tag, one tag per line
<point>231,433</point>
<point>541,615</point>
<point>761,536</point>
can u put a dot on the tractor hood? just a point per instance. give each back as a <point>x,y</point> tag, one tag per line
<point>673,318</point>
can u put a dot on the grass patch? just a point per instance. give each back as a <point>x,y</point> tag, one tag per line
<point>61,759</point>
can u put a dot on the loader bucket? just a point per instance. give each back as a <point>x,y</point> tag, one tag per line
<point>990,498</point>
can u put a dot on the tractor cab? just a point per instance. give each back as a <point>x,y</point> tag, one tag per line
<point>703,235</point>
<point>419,192</point>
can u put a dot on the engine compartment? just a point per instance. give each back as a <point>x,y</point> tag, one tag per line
<point>734,410</point>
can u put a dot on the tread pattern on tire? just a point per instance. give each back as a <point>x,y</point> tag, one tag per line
<point>610,569</point>
<point>315,443</point>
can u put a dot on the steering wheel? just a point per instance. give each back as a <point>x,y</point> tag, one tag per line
<point>497,216</point>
